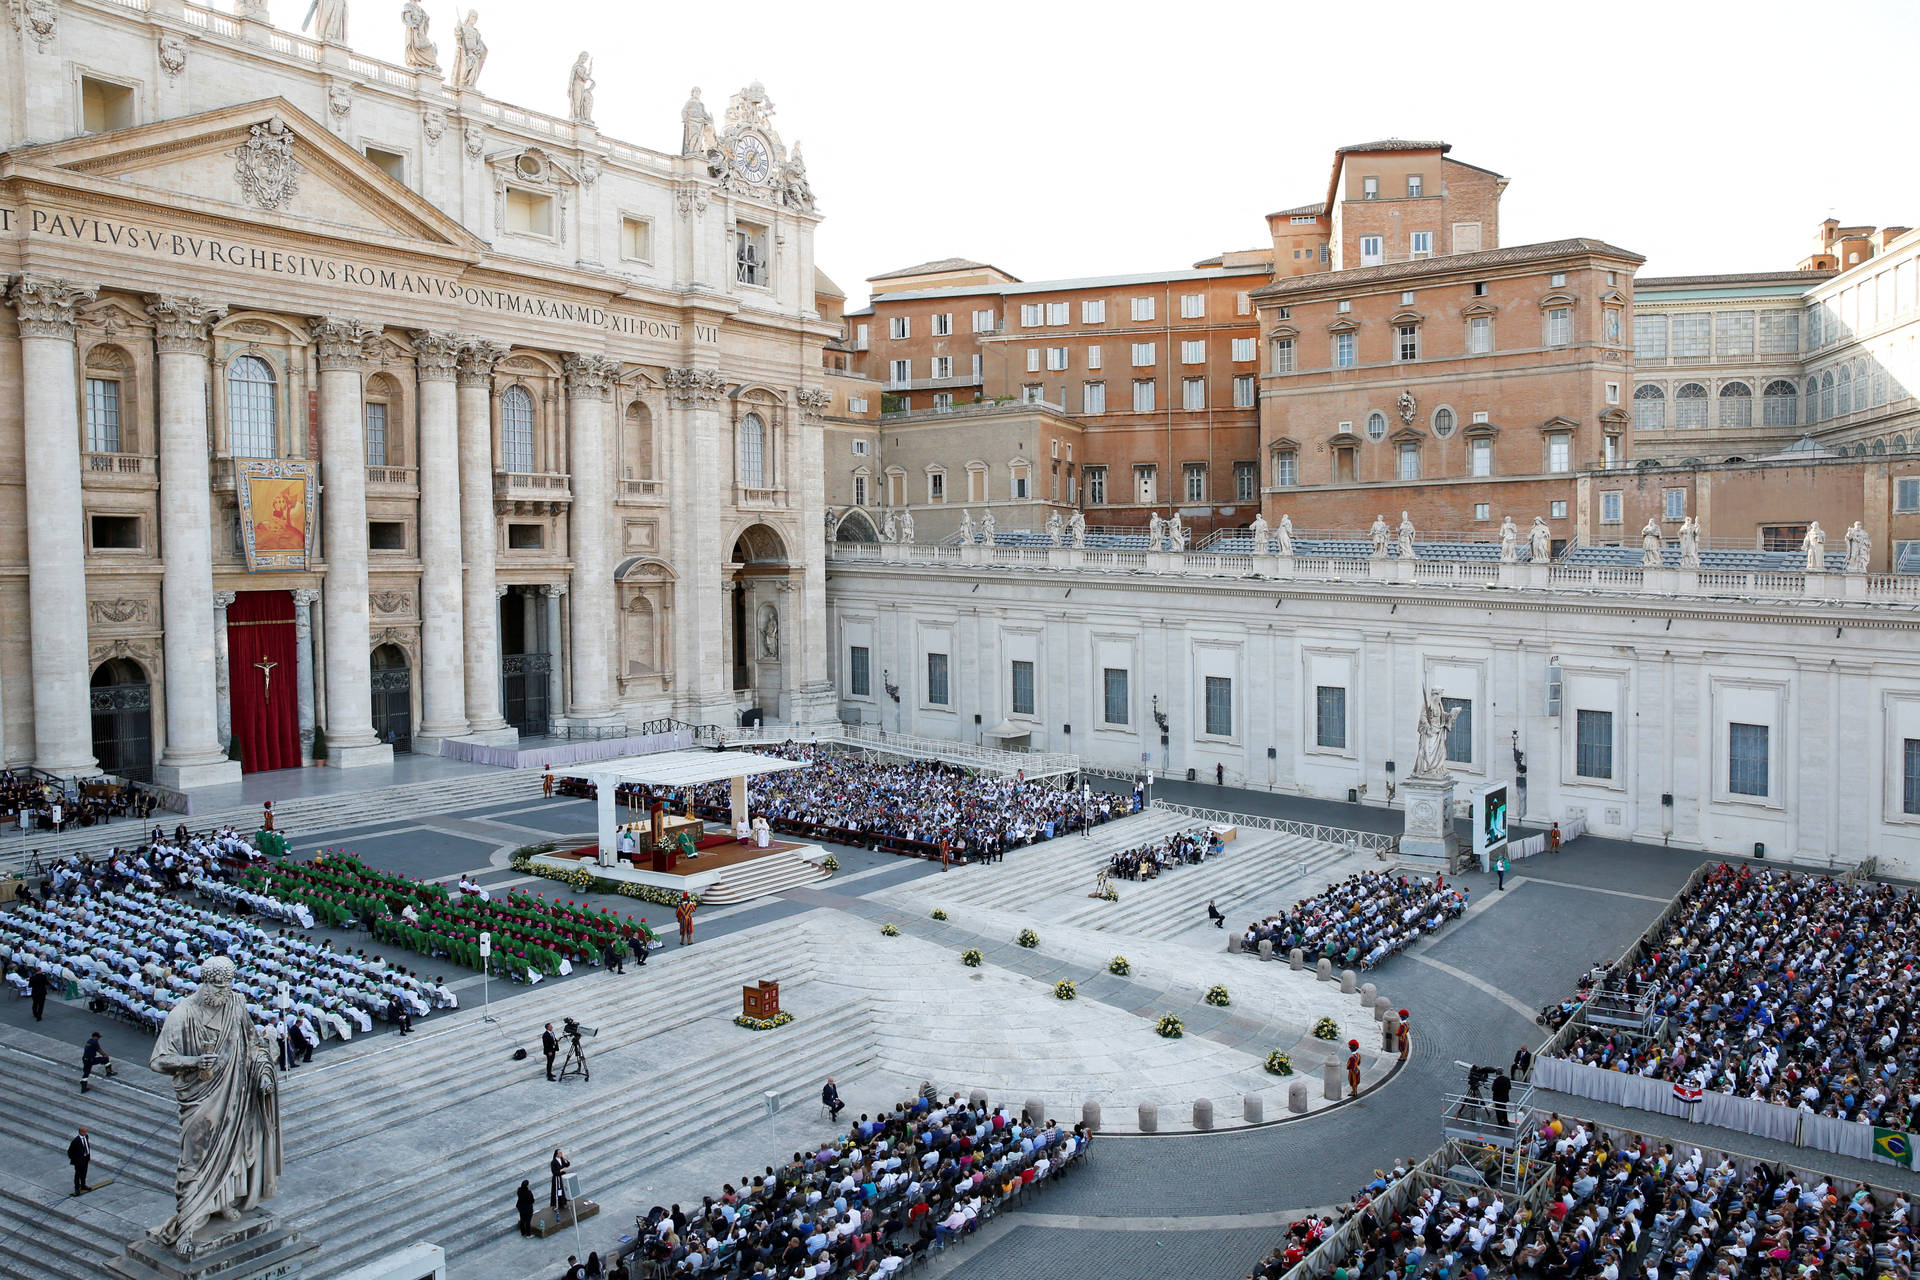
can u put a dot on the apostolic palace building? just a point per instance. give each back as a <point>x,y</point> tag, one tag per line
<point>343,406</point>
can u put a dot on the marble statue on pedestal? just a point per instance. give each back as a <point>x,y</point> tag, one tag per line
<point>1689,543</point>
<point>1509,539</point>
<point>1285,547</point>
<point>1259,532</point>
<point>1859,548</point>
<point>1430,760</point>
<point>1077,529</point>
<point>1405,547</point>
<point>1156,532</point>
<point>1650,544</point>
<point>889,528</point>
<point>906,527</point>
<point>1540,541</point>
<point>1815,545</point>
<point>327,19</point>
<point>1054,529</point>
<point>422,53</point>
<point>580,84</point>
<point>696,127</point>
<point>987,525</point>
<point>470,51</point>
<point>966,528</point>
<point>1177,534</point>
<point>224,1082</point>
<point>1380,535</point>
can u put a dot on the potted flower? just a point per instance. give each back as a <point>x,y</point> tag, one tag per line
<point>1170,1027</point>
<point>1028,939</point>
<point>1326,1029</point>
<point>1217,996</point>
<point>1119,967</point>
<point>1064,990</point>
<point>971,958</point>
<point>939,914</point>
<point>889,930</point>
<point>1279,1063</point>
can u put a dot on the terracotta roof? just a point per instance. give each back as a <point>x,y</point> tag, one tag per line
<point>1395,144</point>
<point>1747,278</point>
<point>1317,207</point>
<point>1358,277</point>
<point>935,267</point>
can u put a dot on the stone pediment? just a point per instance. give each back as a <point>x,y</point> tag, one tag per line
<point>258,157</point>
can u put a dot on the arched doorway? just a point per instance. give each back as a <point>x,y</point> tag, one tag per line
<point>753,618</point>
<point>123,719</point>
<point>855,527</point>
<point>392,697</point>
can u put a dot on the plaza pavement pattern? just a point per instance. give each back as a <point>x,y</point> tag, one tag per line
<point>391,1140</point>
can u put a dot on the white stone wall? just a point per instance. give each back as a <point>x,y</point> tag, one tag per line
<point>1673,674</point>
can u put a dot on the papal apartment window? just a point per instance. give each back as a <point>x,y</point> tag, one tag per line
<point>1093,397</point>
<point>1560,452</point>
<point>1193,352</point>
<point>859,671</point>
<point>1673,504</point>
<point>1093,311</point>
<point>1193,306</point>
<point>1747,759</point>
<point>1097,483</point>
<point>103,415</point>
<point>1196,473</point>
<point>1285,469</point>
<point>1559,326</point>
<point>375,414</point>
<point>1219,707</point>
<point>1193,393</point>
<point>1021,488</point>
<point>1056,358</point>
<point>1114,706</point>
<point>1022,687</point>
<point>1244,392</point>
<point>516,429</point>
<point>1143,395</point>
<point>1409,461</point>
<point>859,491</point>
<point>937,679</point>
<point>902,371</point>
<point>1246,481</point>
<point>1143,308</point>
<point>253,409</point>
<point>636,239</point>
<point>1483,511</point>
<point>1057,313</point>
<point>1283,355</point>
<point>936,486</point>
<point>1142,354</point>
<point>750,258</point>
<point>1343,351</point>
<point>1409,341</point>
<point>1414,186</point>
<point>1330,717</point>
<point>983,322</point>
<point>1557,509</point>
<point>1460,736</point>
<point>1420,245</point>
<point>1593,744</point>
<point>1610,508</point>
<point>943,366</point>
<point>1480,458</point>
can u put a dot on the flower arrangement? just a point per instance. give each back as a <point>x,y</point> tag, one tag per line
<point>1279,1063</point>
<point>1170,1027</point>
<point>1107,893</point>
<point>970,958</point>
<point>889,930</point>
<point>1064,990</point>
<point>1326,1029</point>
<point>1028,939</point>
<point>1119,967</point>
<point>1217,997</point>
<point>780,1019</point>
<point>645,892</point>
<point>939,914</point>
<point>520,858</point>
<point>829,863</point>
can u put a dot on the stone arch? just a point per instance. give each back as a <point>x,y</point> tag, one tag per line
<point>121,696</point>
<point>637,442</point>
<point>855,526</point>
<point>760,543</point>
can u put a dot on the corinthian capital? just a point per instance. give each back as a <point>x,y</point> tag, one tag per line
<point>341,341</point>
<point>47,306</point>
<point>437,353</point>
<point>695,386</point>
<point>477,358</point>
<point>182,325</point>
<point>589,375</point>
<point>813,402</point>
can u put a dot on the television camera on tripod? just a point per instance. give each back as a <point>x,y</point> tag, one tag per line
<point>575,1063</point>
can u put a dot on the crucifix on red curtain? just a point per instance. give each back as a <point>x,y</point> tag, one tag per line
<point>266,680</point>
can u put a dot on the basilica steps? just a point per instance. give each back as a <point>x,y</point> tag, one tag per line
<point>455,1058</point>
<point>300,815</point>
<point>133,1132</point>
<point>65,1238</point>
<point>1065,864</point>
<point>761,878</point>
<point>1259,874</point>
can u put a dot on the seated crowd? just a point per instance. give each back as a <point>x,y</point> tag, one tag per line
<point>135,954</point>
<point>924,801</point>
<point>1362,920</point>
<point>163,864</point>
<point>1624,1209</point>
<point>1792,989</point>
<point>1147,861</point>
<point>56,804</point>
<point>895,1187</point>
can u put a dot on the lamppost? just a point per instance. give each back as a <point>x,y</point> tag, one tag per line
<point>486,977</point>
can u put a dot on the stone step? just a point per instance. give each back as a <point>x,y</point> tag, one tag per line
<point>126,1127</point>
<point>761,879</point>
<point>1058,865</point>
<point>613,1126</point>
<point>1251,874</point>
<point>38,1238</point>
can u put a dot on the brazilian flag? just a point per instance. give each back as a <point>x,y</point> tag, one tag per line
<point>1891,1144</point>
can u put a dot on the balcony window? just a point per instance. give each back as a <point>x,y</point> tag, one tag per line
<point>103,415</point>
<point>252,408</point>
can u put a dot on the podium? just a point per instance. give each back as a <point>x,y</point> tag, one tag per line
<point>762,1001</point>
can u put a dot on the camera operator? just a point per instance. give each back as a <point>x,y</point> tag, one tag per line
<point>1502,1092</point>
<point>550,1045</point>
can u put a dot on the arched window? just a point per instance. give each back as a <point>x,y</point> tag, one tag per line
<point>1899,444</point>
<point>753,452</point>
<point>253,413</point>
<point>1879,448</point>
<point>1813,400</point>
<point>1736,405</point>
<point>1376,425</point>
<point>376,409</point>
<point>1442,422</point>
<point>1690,406</point>
<point>1826,394</point>
<point>1778,404</point>
<point>1879,384</point>
<point>516,429</point>
<point>1649,408</point>
<point>639,442</point>
<point>1843,401</point>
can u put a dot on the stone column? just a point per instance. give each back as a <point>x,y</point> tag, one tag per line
<point>556,672</point>
<point>443,694</point>
<point>589,380</point>
<point>222,681</point>
<point>700,484</point>
<point>811,698</point>
<point>56,549</point>
<point>351,742</point>
<point>193,757</point>
<point>480,604</point>
<point>303,598</point>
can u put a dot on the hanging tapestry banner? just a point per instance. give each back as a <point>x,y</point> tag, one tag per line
<point>276,511</point>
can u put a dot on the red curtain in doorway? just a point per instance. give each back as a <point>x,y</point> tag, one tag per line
<point>265,698</point>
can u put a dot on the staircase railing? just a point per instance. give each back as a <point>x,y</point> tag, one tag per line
<point>1373,842</point>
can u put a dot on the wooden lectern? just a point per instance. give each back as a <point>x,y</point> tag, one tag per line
<point>762,1001</point>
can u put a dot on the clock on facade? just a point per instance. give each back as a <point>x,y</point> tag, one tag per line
<point>753,158</point>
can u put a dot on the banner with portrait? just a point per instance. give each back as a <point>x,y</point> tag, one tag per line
<point>276,511</point>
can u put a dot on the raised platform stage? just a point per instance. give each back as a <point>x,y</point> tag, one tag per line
<point>722,873</point>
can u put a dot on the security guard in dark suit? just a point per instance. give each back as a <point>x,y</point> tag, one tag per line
<point>549,1045</point>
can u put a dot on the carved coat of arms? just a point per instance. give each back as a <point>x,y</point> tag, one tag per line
<point>265,166</point>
